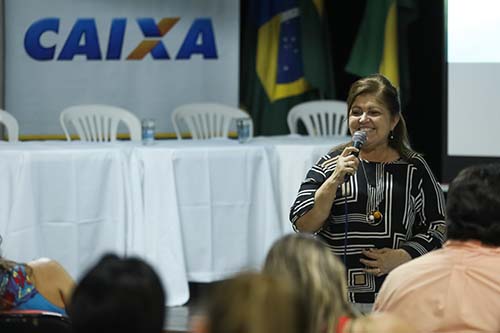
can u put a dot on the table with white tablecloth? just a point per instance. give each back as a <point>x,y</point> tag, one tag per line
<point>196,210</point>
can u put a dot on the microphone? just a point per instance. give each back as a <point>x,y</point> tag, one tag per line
<point>358,140</point>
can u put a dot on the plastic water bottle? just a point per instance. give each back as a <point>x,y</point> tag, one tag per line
<point>148,131</point>
<point>243,129</point>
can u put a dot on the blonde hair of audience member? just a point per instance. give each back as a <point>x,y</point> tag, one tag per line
<point>252,303</point>
<point>314,270</point>
<point>311,266</point>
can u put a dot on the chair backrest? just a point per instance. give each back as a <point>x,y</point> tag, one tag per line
<point>207,120</point>
<point>10,124</point>
<point>99,123</point>
<point>33,321</point>
<point>320,118</point>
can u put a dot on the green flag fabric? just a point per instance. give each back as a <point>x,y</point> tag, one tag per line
<point>281,67</point>
<point>381,42</point>
<point>375,48</point>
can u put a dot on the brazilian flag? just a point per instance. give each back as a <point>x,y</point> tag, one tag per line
<point>380,45</point>
<point>284,60</point>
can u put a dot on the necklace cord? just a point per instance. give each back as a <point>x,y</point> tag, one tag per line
<point>346,229</point>
<point>374,217</point>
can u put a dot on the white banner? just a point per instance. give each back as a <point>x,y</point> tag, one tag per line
<point>147,56</point>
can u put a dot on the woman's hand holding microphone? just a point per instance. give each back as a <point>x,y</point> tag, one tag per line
<point>347,165</point>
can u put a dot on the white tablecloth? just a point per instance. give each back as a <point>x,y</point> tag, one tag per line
<point>196,210</point>
<point>68,202</point>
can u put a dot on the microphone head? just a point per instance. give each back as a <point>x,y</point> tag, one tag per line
<point>359,139</point>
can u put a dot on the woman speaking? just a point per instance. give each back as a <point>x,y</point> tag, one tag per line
<point>380,209</point>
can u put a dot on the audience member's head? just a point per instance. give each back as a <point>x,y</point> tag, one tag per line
<point>317,273</point>
<point>253,303</point>
<point>119,295</point>
<point>473,205</point>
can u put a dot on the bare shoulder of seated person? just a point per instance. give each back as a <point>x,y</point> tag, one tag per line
<point>379,322</point>
<point>52,281</point>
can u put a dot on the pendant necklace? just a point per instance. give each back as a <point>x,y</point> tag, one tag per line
<point>375,195</point>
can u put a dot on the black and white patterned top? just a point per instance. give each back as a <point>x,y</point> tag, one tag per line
<point>410,200</point>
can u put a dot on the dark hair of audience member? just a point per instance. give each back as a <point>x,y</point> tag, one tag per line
<point>118,295</point>
<point>254,303</point>
<point>473,205</point>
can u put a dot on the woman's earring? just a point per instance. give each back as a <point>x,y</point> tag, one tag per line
<point>391,135</point>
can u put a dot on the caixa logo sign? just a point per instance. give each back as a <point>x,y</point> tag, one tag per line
<point>83,40</point>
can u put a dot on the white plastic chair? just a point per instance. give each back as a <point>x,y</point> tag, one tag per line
<point>99,123</point>
<point>321,118</point>
<point>207,120</point>
<point>10,124</point>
